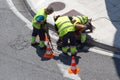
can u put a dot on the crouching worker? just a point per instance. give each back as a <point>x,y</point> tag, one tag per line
<point>39,26</point>
<point>82,27</point>
<point>66,31</point>
<point>82,24</point>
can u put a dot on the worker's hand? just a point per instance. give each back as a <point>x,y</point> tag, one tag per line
<point>79,26</point>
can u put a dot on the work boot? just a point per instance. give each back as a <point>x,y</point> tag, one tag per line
<point>65,54</point>
<point>59,43</point>
<point>33,41</point>
<point>34,44</point>
<point>65,50</point>
<point>73,54</point>
<point>59,48</point>
<point>82,45</point>
<point>42,45</point>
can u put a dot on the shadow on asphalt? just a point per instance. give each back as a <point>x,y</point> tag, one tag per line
<point>40,53</point>
<point>62,58</point>
<point>66,59</point>
<point>112,7</point>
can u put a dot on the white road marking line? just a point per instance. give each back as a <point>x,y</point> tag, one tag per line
<point>13,8</point>
<point>53,35</point>
<point>64,70</point>
<point>104,53</point>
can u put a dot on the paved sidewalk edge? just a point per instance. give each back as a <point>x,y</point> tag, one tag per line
<point>29,8</point>
<point>103,46</point>
<point>89,41</point>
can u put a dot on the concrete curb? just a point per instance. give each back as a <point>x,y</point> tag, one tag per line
<point>90,41</point>
<point>103,46</point>
<point>29,8</point>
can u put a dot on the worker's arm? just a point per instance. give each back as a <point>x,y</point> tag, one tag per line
<point>80,27</point>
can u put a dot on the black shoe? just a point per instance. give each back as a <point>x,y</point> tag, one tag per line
<point>43,48</point>
<point>74,54</point>
<point>65,54</point>
<point>59,44</point>
<point>59,48</point>
<point>34,44</point>
<point>82,45</point>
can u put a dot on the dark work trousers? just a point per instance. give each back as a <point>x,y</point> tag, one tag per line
<point>69,37</point>
<point>40,32</point>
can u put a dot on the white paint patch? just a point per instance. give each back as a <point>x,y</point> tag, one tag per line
<point>13,8</point>
<point>53,35</point>
<point>64,70</point>
<point>104,53</point>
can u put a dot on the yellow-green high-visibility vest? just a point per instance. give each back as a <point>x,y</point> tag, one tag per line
<point>64,25</point>
<point>80,19</point>
<point>40,12</point>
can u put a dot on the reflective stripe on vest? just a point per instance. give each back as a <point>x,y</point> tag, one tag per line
<point>64,28</point>
<point>81,19</point>
<point>65,31</point>
<point>62,24</point>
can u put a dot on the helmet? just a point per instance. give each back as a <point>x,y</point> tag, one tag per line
<point>40,18</point>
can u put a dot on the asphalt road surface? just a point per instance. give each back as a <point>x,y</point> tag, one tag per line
<point>20,61</point>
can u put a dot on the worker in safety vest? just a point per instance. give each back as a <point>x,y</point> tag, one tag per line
<point>66,31</point>
<point>82,23</point>
<point>39,25</point>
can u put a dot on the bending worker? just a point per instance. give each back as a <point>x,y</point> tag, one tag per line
<point>82,23</point>
<point>39,26</point>
<point>66,31</point>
